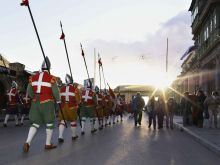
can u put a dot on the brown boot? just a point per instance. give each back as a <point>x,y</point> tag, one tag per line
<point>26,147</point>
<point>49,147</point>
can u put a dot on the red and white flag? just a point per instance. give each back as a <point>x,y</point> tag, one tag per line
<point>62,36</point>
<point>100,62</point>
<point>24,3</point>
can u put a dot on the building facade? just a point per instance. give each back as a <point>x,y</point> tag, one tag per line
<point>11,71</point>
<point>201,69</point>
<point>127,92</point>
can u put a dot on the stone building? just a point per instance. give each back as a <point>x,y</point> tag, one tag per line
<point>127,92</point>
<point>200,70</point>
<point>11,71</point>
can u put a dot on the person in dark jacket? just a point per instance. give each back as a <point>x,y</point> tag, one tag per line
<point>171,106</point>
<point>137,107</point>
<point>200,105</point>
<point>151,112</point>
<point>186,106</point>
<point>161,109</point>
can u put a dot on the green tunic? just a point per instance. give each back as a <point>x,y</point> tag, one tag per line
<point>89,111</point>
<point>43,113</point>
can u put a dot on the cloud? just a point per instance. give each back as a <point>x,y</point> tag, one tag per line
<point>148,54</point>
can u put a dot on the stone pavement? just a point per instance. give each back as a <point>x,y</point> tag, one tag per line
<point>119,144</point>
<point>209,137</point>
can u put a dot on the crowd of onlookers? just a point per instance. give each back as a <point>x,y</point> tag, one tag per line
<point>156,108</point>
<point>196,109</point>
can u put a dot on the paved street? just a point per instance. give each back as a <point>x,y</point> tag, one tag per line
<point>120,144</point>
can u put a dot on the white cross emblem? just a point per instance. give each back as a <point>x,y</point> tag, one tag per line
<point>39,83</point>
<point>10,94</point>
<point>26,98</point>
<point>98,98</point>
<point>86,96</point>
<point>67,93</point>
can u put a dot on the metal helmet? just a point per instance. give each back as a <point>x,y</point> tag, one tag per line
<point>59,83</point>
<point>68,79</point>
<point>14,84</point>
<point>89,84</point>
<point>96,89</point>
<point>46,64</point>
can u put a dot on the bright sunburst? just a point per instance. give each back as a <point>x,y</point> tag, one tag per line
<point>162,80</point>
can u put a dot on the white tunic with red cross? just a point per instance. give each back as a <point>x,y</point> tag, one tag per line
<point>42,85</point>
<point>68,95</point>
<point>12,96</point>
<point>87,97</point>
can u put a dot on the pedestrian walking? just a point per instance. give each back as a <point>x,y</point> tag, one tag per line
<point>200,98</point>
<point>88,108</point>
<point>100,106</point>
<point>12,104</point>
<point>119,109</point>
<point>186,106</point>
<point>151,112</point>
<point>43,91</point>
<point>26,100</point>
<point>70,99</point>
<point>160,109</point>
<point>171,107</point>
<point>212,102</point>
<point>137,107</point>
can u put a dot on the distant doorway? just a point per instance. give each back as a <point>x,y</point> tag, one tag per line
<point>146,99</point>
<point>3,98</point>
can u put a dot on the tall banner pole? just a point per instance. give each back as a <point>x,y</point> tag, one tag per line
<point>67,55</point>
<point>83,54</point>
<point>100,76</point>
<point>94,68</point>
<point>26,3</point>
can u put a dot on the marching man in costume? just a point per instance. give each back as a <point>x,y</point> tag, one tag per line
<point>99,108</point>
<point>119,108</point>
<point>70,99</point>
<point>107,108</point>
<point>88,108</point>
<point>12,104</point>
<point>26,106</point>
<point>43,90</point>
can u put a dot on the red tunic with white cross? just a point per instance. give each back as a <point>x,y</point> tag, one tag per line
<point>68,95</point>
<point>41,84</point>
<point>108,101</point>
<point>87,97</point>
<point>100,99</point>
<point>119,106</point>
<point>12,96</point>
<point>26,101</point>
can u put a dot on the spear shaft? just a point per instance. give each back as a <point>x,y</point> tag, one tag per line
<point>42,50</point>
<point>67,55</point>
<point>85,64</point>
<point>38,37</point>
